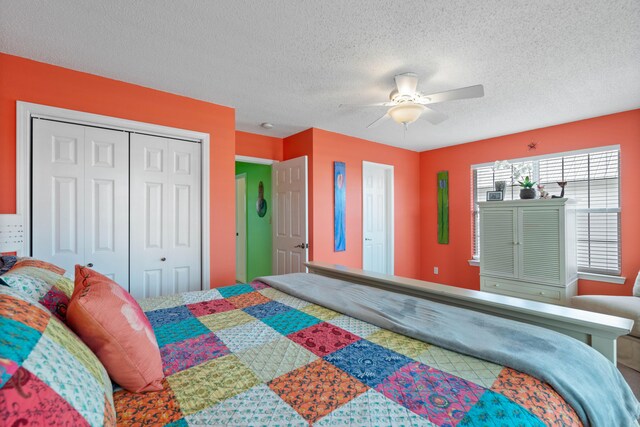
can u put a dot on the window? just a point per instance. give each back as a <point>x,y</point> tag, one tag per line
<point>593,181</point>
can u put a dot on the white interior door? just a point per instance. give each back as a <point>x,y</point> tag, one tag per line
<point>165,216</point>
<point>80,206</point>
<point>241,228</point>
<point>377,218</point>
<point>290,233</point>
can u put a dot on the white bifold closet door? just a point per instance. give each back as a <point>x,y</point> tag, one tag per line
<point>80,197</point>
<point>165,216</point>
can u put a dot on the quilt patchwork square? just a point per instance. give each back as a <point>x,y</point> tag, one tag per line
<point>276,358</point>
<point>164,316</point>
<point>471,369</point>
<point>495,409</point>
<point>179,331</point>
<point>228,319</point>
<point>247,335</point>
<point>258,406</point>
<point>182,355</point>
<point>442,398</point>
<point>153,408</point>
<point>291,321</point>
<point>17,339</point>
<point>157,303</point>
<point>247,300</point>
<point>23,312</point>
<point>268,309</point>
<point>196,391</point>
<point>368,362</point>
<point>317,389</point>
<point>536,396</point>
<point>400,343</point>
<point>26,395</point>
<point>323,338</point>
<point>355,326</point>
<point>199,296</point>
<point>372,409</point>
<point>320,312</point>
<point>257,285</point>
<point>64,379</point>
<point>205,308</point>
<point>229,291</point>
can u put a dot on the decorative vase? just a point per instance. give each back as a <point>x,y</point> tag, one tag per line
<point>528,193</point>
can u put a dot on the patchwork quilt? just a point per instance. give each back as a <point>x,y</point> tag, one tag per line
<point>249,354</point>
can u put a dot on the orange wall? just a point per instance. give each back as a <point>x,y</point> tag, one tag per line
<point>621,128</point>
<point>329,147</point>
<point>254,145</point>
<point>26,80</point>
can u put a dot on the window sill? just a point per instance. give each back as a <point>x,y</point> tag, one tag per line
<point>618,280</point>
<point>474,262</point>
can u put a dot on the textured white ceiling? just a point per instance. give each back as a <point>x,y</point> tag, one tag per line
<point>291,63</point>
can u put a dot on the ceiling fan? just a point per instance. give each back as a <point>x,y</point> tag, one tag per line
<point>406,104</point>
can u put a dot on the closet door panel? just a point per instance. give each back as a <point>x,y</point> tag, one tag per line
<point>149,216</point>
<point>107,203</point>
<point>184,178</point>
<point>58,193</point>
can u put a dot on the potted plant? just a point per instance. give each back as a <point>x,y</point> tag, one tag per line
<point>527,191</point>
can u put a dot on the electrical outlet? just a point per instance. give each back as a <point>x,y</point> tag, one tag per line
<point>435,270</point>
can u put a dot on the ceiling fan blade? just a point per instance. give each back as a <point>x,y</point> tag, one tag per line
<point>434,116</point>
<point>378,104</point>
<point>476,91</point>
<point>379,120</point>
<point>406,83</point>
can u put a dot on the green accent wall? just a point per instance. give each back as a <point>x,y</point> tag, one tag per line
<point>259,235</point>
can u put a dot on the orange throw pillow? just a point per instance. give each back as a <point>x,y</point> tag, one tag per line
<point>112,324</point>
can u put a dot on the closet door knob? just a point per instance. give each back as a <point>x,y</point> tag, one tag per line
<point>163,259</point>
<point>90,265</point>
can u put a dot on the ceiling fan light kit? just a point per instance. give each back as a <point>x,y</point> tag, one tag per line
<point>407,104</point>
<point>406,113</point>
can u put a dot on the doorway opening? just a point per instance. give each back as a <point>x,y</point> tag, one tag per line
<point>377,218</point>
<point>253,220</point>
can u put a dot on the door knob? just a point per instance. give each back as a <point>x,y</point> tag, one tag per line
<point>367,239</point>
<point>163,259</point>
<point>90,265</point>
<point>302,246</point>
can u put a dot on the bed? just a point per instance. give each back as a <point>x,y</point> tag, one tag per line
<point>251,354</point>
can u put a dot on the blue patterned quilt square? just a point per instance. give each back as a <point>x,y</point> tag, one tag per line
<point>231,291</point>
<point>291,321</point>
<point>368,362</point>
<point>495,409</point>
<point>16,342</point>
<point>267,309</point>
<point>179,331</point>
<point>165,316</point>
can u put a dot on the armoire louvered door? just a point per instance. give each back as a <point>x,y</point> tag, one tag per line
<point>539,245</point>
<point>499,238</point>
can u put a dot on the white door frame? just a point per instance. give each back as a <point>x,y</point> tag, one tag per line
<point>242,277</point>
<point>390,216</point>
<point>26,110</point>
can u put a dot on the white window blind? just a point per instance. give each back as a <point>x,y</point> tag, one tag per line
<point>593,180</point>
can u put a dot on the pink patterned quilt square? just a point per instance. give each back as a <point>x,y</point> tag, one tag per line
<point>442,398</point>
<point>205,308</point>
<point>182,355</point>
<point>323,338</point>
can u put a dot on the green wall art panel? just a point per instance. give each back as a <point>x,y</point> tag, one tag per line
<point>443,207</point>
